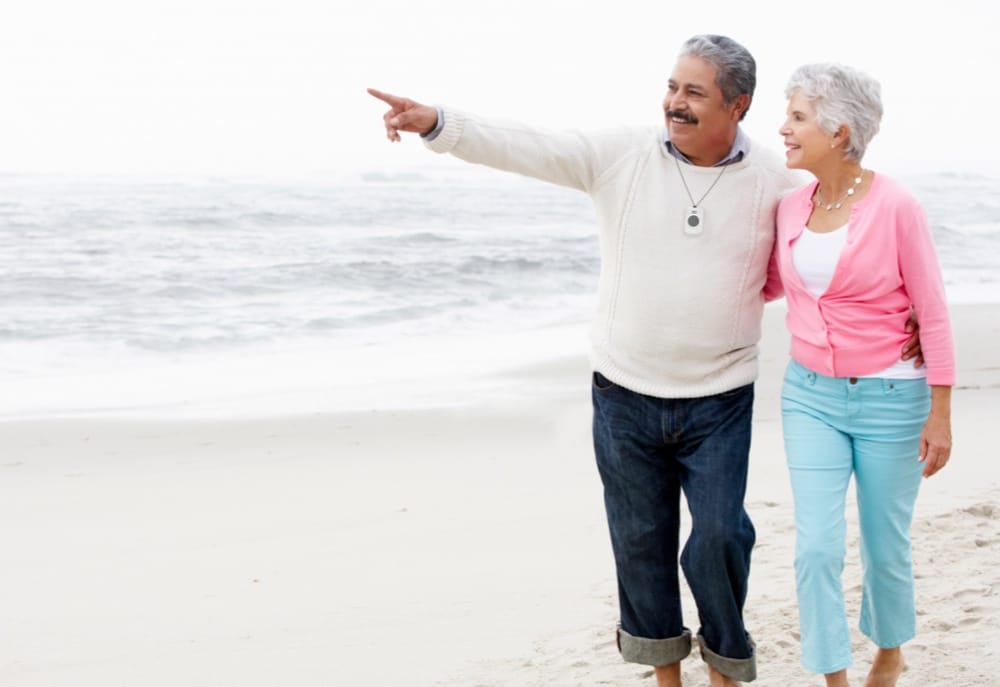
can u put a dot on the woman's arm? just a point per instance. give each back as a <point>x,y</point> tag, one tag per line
<point>921,272</point>
<point>935,438</point>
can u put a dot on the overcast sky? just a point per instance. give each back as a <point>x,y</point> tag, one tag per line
<point>278,86</point>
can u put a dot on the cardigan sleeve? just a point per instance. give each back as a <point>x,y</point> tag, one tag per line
<point>921,273</point>
<point>773,287</point>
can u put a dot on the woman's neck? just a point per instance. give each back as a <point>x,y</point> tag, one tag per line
<point>836,179</point>
<point>838,184</point>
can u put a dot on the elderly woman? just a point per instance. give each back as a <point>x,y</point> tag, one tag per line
<point>855,256</point>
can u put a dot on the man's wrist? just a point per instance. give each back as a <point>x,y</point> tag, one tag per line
<point>433,133</point>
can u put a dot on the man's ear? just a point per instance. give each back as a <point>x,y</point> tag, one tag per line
<point>740,105</point>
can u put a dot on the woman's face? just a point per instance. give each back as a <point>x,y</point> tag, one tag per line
<point>806,144</point>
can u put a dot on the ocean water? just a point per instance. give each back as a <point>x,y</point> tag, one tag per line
<point>107,279</point>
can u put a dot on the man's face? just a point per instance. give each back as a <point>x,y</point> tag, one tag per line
<point>700,123</point>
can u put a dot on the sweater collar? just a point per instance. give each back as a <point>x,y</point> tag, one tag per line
<point>739,150</point>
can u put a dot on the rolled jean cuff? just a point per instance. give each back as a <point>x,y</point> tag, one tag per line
<point>654,652</point>
<point>742,669</point>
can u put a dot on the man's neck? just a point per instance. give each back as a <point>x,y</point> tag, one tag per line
<point>709,159</point>
<point>733,150</point>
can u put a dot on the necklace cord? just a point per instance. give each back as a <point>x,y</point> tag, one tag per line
<point>704,195</point>
<point>837,204</point>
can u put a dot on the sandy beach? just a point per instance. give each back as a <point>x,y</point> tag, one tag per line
<point>459,541</point>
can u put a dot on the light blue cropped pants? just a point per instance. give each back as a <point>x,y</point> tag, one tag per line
<point>835,427</point>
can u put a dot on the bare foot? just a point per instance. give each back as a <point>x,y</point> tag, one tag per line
<point>717,679</point>
<point>668,676</point>
<point>886,668</point>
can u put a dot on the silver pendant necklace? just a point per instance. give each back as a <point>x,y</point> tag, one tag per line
<point>694,218</point>
<point>836,205</point>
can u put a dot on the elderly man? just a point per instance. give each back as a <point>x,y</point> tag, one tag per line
<point>686,220</point>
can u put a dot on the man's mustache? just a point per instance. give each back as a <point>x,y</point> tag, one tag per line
<point>685,116</point>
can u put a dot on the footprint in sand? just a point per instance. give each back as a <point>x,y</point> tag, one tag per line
<point>982,510</point>
<point>971,593</point>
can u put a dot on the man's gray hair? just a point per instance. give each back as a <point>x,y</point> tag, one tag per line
<point>735,68</point>
<point>841,95</point>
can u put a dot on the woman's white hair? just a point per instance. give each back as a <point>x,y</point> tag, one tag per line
<point>841,95</point>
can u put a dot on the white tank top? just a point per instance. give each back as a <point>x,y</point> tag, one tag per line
<point>815,257</point>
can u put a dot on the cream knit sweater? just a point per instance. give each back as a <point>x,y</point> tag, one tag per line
<point>677,316</point>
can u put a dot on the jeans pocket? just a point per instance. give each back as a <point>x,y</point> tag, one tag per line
<point>738,391</point>
<point>797,382</point>
<point>799,374</point>
<point>602,383</point>
<point>916,389</point>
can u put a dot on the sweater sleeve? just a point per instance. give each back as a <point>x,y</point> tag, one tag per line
<point>918,265</point>
<point>567,158</point>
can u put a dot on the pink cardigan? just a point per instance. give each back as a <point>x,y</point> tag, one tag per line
<point>856,327</point>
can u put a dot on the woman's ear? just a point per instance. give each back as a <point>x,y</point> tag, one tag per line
<point>841,136</point>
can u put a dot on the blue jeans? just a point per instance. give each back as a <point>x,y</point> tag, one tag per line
<point>648,451</point>
<point>834,428</point>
